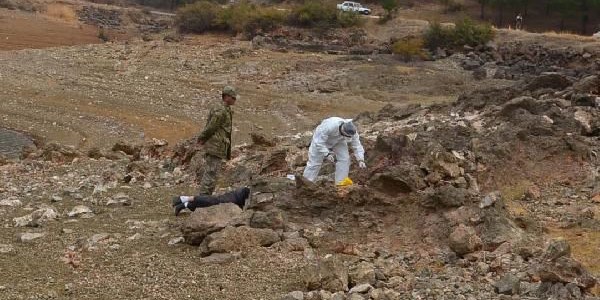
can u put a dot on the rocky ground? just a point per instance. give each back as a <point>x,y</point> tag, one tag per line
<point>482,179</point>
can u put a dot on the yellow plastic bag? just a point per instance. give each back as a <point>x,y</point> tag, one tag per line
<point>345,182</point>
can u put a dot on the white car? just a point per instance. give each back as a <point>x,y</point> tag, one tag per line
<point>354,7</point>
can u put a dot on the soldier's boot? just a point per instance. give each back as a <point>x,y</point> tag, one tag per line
<point>176,201</point>
<point>178,208</point>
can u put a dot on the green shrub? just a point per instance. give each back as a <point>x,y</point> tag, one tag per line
<point>198,17</point>
<point>409,48</point>
<point>349,19</point>
<point>437,37</point>
<point>314,14</point>
<point>322,15</point>
<point>466,32</point>
<point>250,19</point>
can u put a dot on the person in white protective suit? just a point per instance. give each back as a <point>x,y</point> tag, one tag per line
<point>330,140</point>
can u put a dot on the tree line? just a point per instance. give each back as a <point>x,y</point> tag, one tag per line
<point>582,11</point>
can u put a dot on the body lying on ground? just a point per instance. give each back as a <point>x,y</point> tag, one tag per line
<point>238,197</point>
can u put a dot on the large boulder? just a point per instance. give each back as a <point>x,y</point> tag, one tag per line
<point>205,221</point>
<point>550,80</point>
<point>445,196</point>
<point>559,267</point>
<point>273,219</point>
<point>566,270</point>
<point>464,240</point>
<point>590,84</point>
<point>362,273</point>
<point>240,238</point>
<point>509,284</point>
<point>498,227</point>
<point>328,273</point>
<point>557,248</point>
<point>400,179</point>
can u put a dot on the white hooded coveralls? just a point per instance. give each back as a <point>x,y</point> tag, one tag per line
<point>326,138</point>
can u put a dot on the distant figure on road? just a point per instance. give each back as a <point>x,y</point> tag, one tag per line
<point>519,22</point>
<point>330,141</point>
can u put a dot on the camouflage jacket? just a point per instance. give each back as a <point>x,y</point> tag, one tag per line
<point>217,132</point>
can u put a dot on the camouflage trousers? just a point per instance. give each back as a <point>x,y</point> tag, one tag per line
<point>212,165</point>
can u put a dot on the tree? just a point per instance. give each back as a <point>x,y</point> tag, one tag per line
<point>390,6</point>
<point>585,6</point>
<point>482,4</point>
<point>565,8</point>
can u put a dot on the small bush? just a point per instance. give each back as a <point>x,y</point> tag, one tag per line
<point>349,19</point>
<point>465,32</point>
<point>250,19</point>
<point>314,14</point>
<point>61,11</point>
<point>437,37</point>
<point>409,48</point>
<point>198,17</point>
<point>102,35</point>
<point>10,4</point>
<point>322,15</point>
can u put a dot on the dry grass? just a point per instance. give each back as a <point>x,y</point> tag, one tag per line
<point>570,36</point>
<point>585,245</point>
<point>61,12</point>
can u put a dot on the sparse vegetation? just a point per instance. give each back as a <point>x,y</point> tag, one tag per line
<point>61,11</point>
<point>409,49</point>
<point>252,19</point>
<point>102,35</point>
<point>390,7</point>
<point>466,32</point>
<point>197,17</point>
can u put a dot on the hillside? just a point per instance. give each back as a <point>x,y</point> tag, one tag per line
<point>482,178</point>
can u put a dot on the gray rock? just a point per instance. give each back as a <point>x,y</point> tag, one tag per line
<point>565,270</point>
<point>464,240</point>
<point>377,294</point>
<point>361,288</point>
<point>325,295</point>
<point>551,80</point>
<point>557,248</point>
<point>81,211</point>
<point>509,284</point>
<point>205,221</point>
<point>177,240</point>
<point>338,296</point>
<point>292,244</point>
<point>392,295</point>
<point>11,202</point>
<point>355,297</point>
<point>312,295</point>
<point>238,239</point>
<point>30,236</point>
<point>36,218</point>
<point>328,273</point>
<point>219,258</point>
<point>489,200</point>
<point>445,196</point>
<point>6,248</point>
<point>363,273</point>
<point>23,221</point>
<point>273,219</point>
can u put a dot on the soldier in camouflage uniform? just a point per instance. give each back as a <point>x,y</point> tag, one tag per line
<point>216,140</point>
